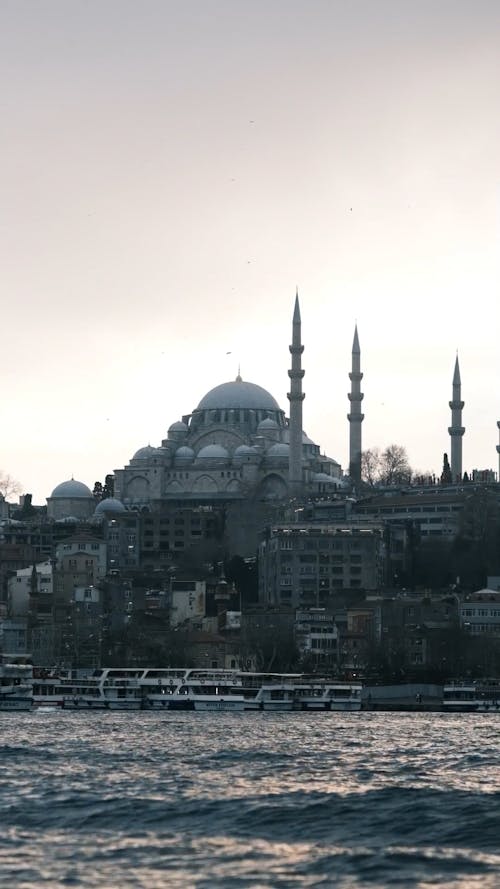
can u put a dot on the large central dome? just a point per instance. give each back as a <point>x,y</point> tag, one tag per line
<point>237,395</point>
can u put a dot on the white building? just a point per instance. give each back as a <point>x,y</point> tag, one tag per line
<point>480,613</point>
<point>81,544</point>
<point>187,600</point>
<point>316,633</point>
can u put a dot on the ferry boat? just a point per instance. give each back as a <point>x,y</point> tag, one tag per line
<point>193,689</point>
<point>328,695</point>
<point>189,688</point>
<point>16,685</point>
<point>104,689</point>
<point>47,687</point>
<point>472,696</point>
<point>269,691</point>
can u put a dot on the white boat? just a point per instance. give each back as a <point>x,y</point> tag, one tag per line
<point>325,694</point>
<point>104,689</point>
<point>47,687</point>
<point>16,685</point>
<point>268,691</point>
<point>186,688</point>
<point>472,696</point>
<point>197,689</point>
<point>192,689</point>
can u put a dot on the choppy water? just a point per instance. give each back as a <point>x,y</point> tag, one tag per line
<point>251,799</point>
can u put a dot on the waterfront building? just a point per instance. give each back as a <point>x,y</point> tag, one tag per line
<point>304,564</point>
<point>14,637</point>
<point>316,636</point>
<point>435,512</point>
<point>480,613</point>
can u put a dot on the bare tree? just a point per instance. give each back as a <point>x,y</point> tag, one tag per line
<point>9,485</point>
<point>370,465</point>
<point>394,466</point>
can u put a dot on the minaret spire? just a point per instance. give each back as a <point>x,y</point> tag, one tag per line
<point>355,417</point>
<point>456,430</point>
<point>498,449</point>
<point>296,397</point>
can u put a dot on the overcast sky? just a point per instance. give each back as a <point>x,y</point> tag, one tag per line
<point>171,171</point>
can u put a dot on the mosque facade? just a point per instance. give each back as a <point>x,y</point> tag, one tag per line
<point>236,453</point>
<point>236,445</point>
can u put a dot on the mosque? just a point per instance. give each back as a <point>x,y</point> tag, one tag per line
<point>237,446</point>
<point>239,452</point>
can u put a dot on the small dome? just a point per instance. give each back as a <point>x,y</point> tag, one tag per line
<point>144,453</point>
<point>245,451</point>
<point>109,505</point>
<point>160,452</point>
<point>178,428</point>
<point>268,425</point>
<point>326,479</point>
<point>212,452</point>
<point>184,455</point>
<point>279,450</point>
<point>71,490</point>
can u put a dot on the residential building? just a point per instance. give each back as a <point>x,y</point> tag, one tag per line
<point>304,565</point>
<point>480,613</point>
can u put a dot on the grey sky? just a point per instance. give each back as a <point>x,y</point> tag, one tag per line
<point>171,171</point>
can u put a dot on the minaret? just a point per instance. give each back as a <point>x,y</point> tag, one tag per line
<point>498,449</point>
<point>355,417</point>
<point>456,429</point>
<point>296,397</point>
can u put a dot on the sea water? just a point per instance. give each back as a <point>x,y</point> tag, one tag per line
<point>249,800</point>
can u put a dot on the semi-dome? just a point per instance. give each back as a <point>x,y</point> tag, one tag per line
<point>178,426</point>
<point>280,449</point>
<point>71,489</point>
<point>184,454</point>
<point>212,452</point>
<point>327,479</point>
<point>238,395</point>
<point>245,451</point>
<point>109,505</point>
<point>267,425</point>
<point>144,453</point>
